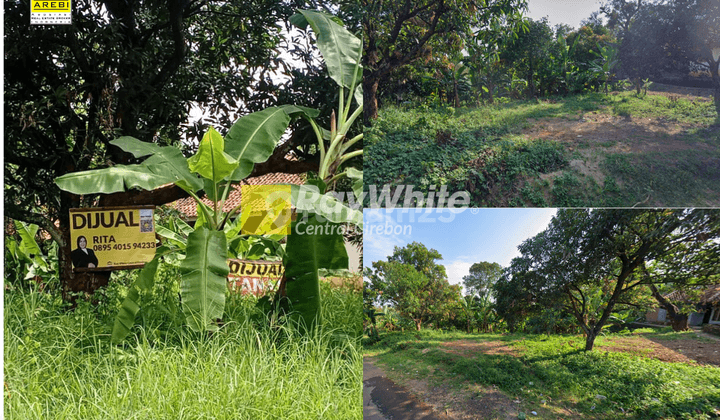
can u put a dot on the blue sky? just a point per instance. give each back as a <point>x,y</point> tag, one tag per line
<point>569,12</point>
<point>462,236</point>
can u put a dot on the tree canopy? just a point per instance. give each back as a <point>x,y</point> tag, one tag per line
<point>482,277</point>
<point>412,282</point>
<point>591,261</point>
<point>398,33</point>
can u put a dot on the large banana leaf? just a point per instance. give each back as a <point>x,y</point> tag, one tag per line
<point>341,49</point>
<point>253,138</point>
<point>204,276</point>
<point>305,254</point>
<point>211,161</point>
<point>27,232</point>
<point>136,147</point>
<point>112,179</point>
<point>168,158</point>
<point>125,318</point>
<point>159,169</point>
<point>307,198</point>
<point>359,95</point>
<point>357,183</point>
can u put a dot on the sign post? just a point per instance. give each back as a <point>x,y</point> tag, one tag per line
<point>255,277</point>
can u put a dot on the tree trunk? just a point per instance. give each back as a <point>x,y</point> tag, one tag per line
<point>456,94</point>
<point>418,323</point>
<point>590,339</point>
<point>678,321</point>
<point>531,79</point>
<point>370,105</point>
<point>715,72</point>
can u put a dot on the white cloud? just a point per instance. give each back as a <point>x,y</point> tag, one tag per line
<point>457,269</point>
<point>377,244</point>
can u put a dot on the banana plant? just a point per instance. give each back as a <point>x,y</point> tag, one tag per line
<point>603,66</point>
<point>27,255</point>
<point>221,162</point>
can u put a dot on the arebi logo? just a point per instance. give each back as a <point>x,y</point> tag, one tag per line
<point>51,12</point>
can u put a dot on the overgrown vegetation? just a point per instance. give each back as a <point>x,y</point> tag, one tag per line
<point>549,374</point>
<point>61,364</point>
<point>484,151</point>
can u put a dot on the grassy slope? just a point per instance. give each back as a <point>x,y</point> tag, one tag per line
<point>61,366</point>
<point>553,369</point>
<point>479,150</point>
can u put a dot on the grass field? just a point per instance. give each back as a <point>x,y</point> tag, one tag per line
<point>61,365</point>
<point>585,150</point>
<point>499,376</point>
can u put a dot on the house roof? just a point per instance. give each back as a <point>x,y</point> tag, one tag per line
<point>711,295</point>
<point>188,207</point>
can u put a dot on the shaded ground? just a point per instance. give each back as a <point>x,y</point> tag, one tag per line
<point>465,400</point>
<point>682,91</point>
<point>455,399</point>
<point>692,351</point>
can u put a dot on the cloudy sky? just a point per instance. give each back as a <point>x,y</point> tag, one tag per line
<point>569,12</point>
<point>463,237</point>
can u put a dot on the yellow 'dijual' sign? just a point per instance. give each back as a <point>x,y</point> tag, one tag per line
<point>254,277</point>
<point>51,12</point>
<point>112,237</point>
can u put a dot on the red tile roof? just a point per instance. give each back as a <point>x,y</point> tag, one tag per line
<point>188,207</point>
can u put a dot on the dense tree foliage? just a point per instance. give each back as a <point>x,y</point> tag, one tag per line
<point>131,68</point>
<point>399,33</point>
<point>481,279</point>
<point>667,38</point>
<point>593,261</point>
<point>414,284</point>
<point>412,53</point>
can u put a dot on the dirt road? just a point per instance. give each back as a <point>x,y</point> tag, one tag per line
<point>385,400</point>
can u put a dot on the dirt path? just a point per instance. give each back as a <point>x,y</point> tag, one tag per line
<point>454,399</point>
<point>383,399</point>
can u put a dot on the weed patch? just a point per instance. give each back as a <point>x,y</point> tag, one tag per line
<point>646,151</point>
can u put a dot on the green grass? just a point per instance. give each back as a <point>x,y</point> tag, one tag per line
<point>61,365</point>
<point>554,368</point>
<point>479,150</point>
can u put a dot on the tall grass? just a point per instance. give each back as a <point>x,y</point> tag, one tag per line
<point>61,365</point>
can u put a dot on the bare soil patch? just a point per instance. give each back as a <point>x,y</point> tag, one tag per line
<point>469,348</point>
<point>615,133</point>
<point>686,350</point>
<point>593,134</point>
<point>465,400</point>
<point>681,91</point>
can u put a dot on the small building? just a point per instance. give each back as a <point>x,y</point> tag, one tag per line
<point>707,308</point>
<point>711,302</point>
